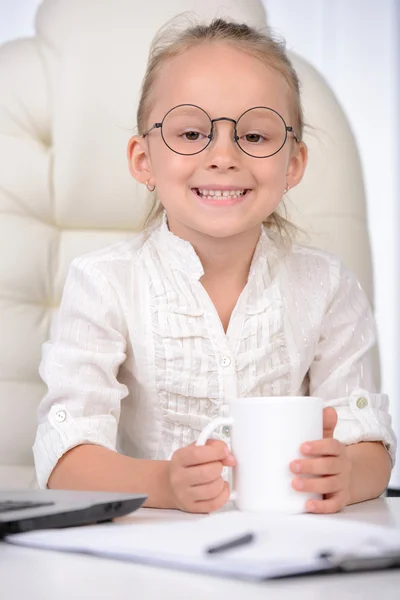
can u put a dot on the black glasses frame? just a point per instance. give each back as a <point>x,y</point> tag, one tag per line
<point>159,125</point>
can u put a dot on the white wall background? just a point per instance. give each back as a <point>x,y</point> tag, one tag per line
<point>17,18</point>
<point>355,45</point>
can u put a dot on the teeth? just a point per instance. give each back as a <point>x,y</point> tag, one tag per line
<point>219,193</point>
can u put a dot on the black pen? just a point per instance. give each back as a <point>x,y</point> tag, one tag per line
<point>247,538</point>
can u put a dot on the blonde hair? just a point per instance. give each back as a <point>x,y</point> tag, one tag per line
<point>172,41</point>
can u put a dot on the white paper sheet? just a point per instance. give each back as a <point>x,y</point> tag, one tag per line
<point>283,543</point>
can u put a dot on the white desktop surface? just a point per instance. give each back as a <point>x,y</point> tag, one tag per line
<point>32,574</point>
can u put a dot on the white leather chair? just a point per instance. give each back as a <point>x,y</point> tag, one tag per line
<point>68,99</point>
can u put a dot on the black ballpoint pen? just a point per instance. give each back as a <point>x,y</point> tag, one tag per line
<point>247,538</point>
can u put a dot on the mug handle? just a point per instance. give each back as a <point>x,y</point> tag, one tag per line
<point>208,430</point>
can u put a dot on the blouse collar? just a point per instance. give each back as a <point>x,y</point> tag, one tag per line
<point>182,255</point>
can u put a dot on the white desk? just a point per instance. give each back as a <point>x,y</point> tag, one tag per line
<point>43,575</point>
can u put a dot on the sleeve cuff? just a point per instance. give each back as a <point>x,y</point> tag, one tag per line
<point>62,432</point>
<point>364,417</point>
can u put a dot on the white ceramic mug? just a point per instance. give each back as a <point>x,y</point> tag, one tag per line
<point>266,435</point>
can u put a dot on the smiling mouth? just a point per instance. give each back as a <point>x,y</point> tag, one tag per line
<point>220,194</point>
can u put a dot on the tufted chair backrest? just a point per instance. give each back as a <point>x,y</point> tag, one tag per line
<point>68,98</point>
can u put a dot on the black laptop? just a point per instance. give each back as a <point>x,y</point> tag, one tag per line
<point>24,510</point>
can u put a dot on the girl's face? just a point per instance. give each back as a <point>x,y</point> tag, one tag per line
<point>225,82</point>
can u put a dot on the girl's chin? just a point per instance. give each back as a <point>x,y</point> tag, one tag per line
<point>219,227</point>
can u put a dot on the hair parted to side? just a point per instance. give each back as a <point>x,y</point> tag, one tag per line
<point>173,39</point>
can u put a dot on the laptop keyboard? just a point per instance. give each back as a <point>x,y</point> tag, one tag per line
<point>9,505</point>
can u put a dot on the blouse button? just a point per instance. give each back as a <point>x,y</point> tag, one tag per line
<point>362,402</point>
<point>226,430</point>
<point>61,415</point>
<point>225,361</point>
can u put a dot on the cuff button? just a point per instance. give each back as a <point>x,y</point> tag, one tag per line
<point>61,415</point>
<point>362,402</point>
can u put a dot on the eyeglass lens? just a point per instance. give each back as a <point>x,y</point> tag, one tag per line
<point>261,132</point>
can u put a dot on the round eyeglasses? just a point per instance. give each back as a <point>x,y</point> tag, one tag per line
<point>259,132</point>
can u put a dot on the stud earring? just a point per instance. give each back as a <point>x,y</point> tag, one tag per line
<point>151,188</point>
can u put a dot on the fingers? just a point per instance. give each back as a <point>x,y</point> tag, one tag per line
<point>329,505</point>
<point>201,474</point>
<point>317,466</point>
<point>325,447</point>
<point>230,461</point>
<point>208,491</point>
<point>213,442</point>
<point>329,421</point>
<point>195,477</point>
<point>197,455</point>
<point>208,506</point>
<point>318,485</point>
<point>326,472</point>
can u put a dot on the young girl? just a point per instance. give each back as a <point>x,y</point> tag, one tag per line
<point>156,334</point>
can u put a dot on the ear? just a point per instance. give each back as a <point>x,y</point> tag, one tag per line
<point>139,160</point>
<point>297,164</point>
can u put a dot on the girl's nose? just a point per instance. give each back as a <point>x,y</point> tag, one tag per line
<point>223,153</point>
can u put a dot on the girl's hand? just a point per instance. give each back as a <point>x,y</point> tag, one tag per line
<point>331,467</point>
<point>195,477</point>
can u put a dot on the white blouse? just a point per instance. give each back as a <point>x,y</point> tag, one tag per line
<point>139,362</point>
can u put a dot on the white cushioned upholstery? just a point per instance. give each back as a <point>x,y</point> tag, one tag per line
<point>68,100</point>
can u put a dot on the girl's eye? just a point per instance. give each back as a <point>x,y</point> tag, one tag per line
<point>192,136</point>
<point>253,138</point>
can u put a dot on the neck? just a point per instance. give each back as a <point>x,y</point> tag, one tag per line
<point>228,257</point>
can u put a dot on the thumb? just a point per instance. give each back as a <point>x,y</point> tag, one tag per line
<point>329,420</point>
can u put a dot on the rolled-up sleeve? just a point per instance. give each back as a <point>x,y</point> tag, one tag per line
<point>79,365</point>
<point>341,371</point>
